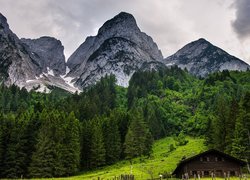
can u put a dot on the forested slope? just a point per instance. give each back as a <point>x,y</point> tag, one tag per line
<point>60,134</point>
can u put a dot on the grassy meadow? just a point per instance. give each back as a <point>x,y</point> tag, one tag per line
<point>161,161</point>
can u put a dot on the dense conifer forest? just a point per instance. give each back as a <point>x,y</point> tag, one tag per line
<point>60,134</point>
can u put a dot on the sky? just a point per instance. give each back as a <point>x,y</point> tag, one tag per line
<point>171,23</point>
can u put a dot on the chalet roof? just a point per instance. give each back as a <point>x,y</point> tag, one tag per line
<point>182,162</point>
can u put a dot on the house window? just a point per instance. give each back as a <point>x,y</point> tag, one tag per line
<point>206,173</point>
<point>232,173</point>
<point>206,159</point>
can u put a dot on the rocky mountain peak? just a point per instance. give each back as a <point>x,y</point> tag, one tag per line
<point>47,53</point>
<point>201,58</point>
<point>121,26</point>
<point>121,21</point>
<point>3,22</point>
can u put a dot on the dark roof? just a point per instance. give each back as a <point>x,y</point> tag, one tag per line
<point>182,162</point>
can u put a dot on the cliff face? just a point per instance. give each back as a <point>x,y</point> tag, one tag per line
<point>33,64</point>
<point>15,64</point>
<point>47,53</point>
<point>119,48</point>
<point>202,58</point>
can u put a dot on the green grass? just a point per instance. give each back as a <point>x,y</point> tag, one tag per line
<point>161,161</point>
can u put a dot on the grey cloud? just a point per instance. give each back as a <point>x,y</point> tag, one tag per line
<point>171,23</point>
<point>241,24</point>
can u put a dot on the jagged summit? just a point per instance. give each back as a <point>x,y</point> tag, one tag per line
<point>119,48</point>
<point>130,45</point>
<point>201,58</point>
<point>3,20</point>
<point>48,53</point>
<point>122,20</point>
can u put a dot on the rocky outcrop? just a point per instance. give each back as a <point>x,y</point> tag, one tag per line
<point>47,53</point>
<point>15,64</point>
<point>33,64</point>
<point>201,58</point>
<point>119,48</point>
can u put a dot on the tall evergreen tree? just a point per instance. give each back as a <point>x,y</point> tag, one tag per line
<point>97,147</point>
<point>230,125</point>
<point>16,153</point>
<point>241,139</point>
<point>46,160</point>
<point>220,122</point>
<point>85,144</point>
<point>138,140</point>
<point>71,145</point>
<point>112,139</point>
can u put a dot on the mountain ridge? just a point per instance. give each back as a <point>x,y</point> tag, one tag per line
<point>119,48</point>
<point>121,26</point>
<point>201,58</point>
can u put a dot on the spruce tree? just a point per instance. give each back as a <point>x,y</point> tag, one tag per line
<point>241,138</point>
<point>85,144</point>
<point>46,160</point>
<point>97,147</point>
<point>220,133</point>
<point>71,145</point>
<point>138,139</point>
<point>112,139</point>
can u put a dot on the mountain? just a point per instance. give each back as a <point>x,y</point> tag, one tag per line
<point>33,64</point>
<point>47,53</point>
<point>15,63</point>
<point>201,58</point>
<point>119,48</point>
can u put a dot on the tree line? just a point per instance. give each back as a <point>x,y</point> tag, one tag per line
<point>60,134</point>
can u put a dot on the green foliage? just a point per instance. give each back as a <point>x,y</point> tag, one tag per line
<point>138,139</point>
<point>181,139</point>
<point>97,147</point>
<point>112,139</point>
<point>57,134</point>
<point>57,150</point>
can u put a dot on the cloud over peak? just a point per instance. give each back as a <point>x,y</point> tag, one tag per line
<point>241,24</point>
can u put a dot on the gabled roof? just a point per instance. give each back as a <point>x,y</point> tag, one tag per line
<point>182,162</point>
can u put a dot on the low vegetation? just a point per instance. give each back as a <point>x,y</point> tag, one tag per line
<point>162,161</point>
<point>61,134</point>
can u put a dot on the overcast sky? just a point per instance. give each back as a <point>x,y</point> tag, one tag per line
<point>171,23</point>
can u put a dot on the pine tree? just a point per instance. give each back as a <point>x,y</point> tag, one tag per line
<point>112,139</point>
<point>138,140</point>
<point>219,124</point>
<point>85,144</point>
<point>230,125</point>
<point>241,139</point>
<point>16,153</point>
<point>46,160</point>
<point>71,145</point>
<point>97,148</point>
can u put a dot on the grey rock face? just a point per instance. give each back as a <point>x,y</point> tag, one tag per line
<point>24,63</point>
<point>47,53</point>
<point>117,56</point>
<point>130,50</point>
<point>15,64</point>
<point>202,58</point>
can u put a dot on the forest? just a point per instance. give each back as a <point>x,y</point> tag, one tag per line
<point>60,134</point>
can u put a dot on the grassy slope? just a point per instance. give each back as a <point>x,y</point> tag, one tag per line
<point>161,161</point>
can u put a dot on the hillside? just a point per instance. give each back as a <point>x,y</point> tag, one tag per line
<point>61,134</point>
<point>161,161</point>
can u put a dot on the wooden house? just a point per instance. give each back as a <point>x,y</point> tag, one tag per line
<point>209,163</point>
